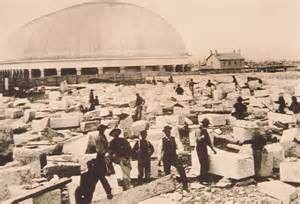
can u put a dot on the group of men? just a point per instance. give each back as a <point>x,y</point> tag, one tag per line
<point>119,151</point>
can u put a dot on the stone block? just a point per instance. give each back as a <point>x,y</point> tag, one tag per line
<point>29,115</point>
<point>279,117</point>
<point>161,121</point>
<point>96,114</point>
<point>6,142</point>
<point>138,126</point>
<point>4,191</point>
<point>278,153</point>
<point>218,94</point>
<point>52,197</point>
<point>54,95</point>
<point>267,161</point>
<point>279,190</point>
<point>39,125</point>
<point>155,134</point>
<point>261,93</point>
<point>242,134</point>
<point>291,148</point>
<point>154,108</point>
<point>254,84</point>
<point>61,169</point>
<point>89,126</point>
<point>13,113</point>
<point>15,176</point>
<point>290,171</point>
<point>231,165</point>
<point>214,119</point>
<point>181,111</point>
<point>27,155</point>
<point>68,121</point>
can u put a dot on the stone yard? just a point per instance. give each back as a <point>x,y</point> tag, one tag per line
<point>54,126</point>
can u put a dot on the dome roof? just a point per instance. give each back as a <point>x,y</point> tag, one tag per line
<point>96,30</point>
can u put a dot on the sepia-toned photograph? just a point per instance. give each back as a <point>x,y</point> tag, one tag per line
<point>149,101</point>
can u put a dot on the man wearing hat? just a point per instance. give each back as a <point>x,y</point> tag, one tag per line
<point>240,109</point>
<point>169,148</point>
<point>96,171</point>
<point>120,152</point>
<point>202,141</point>
<point>143,149</point>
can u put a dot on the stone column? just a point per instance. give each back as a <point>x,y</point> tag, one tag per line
<point>58,71</point>
<point>122,70</point>
<point>78,71</point>
<point>173,68</point>
<point>42,73</point>
<point>30,73</point>
<point>100,71</point>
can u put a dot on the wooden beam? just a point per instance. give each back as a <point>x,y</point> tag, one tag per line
<point>140,193</point>
<point>39,191</point>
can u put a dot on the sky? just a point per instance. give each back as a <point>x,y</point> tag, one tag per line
<point>261,29</point>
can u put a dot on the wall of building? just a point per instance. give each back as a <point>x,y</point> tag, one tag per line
<point>214,62</point>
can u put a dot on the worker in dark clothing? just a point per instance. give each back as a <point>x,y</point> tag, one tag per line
<point>282,105</point>
<point>120,151</point>
<point>179,90</point>
<point>96,101</point>
<point>171,80</point>
<point>203,140</point>
<point>92,106</point>
<point>91,100</point>
<point>258,143</point>
<point>240,109</point>
<point>143,149</point>
<point>210,84</point>
<point>154,81</point>
<point>191,86</point>
<point>295,105</point>
<point>237,86</point>
<point>168,148</point>
<point>139,103</point>
<point>184,134</point>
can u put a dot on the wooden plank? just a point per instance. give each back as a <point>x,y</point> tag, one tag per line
<point>39,191</point>
<point>140,193</point>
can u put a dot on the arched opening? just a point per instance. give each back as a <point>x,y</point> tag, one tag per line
<point>89,71</point>
<point>36,73</point>
<point>168,68</point>
<point>50,72</point>
<point>133,69</point>
<point>152,68</point>
<point>179,68</point>
<point>68,71</point>
<point>111,70</point>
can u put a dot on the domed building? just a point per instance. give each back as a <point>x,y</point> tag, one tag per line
<point>95,38</point>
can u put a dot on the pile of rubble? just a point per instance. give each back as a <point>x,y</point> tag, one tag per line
<point>48,137</point>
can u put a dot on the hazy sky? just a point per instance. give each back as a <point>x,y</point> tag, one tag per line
<point>262,29</point>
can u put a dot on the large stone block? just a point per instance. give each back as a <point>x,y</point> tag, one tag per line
<point>27,155</point>
<point>39,125</point>
<point>283,118</point>
<point>231,165</point>
<point>161,121</point>
<point>68,121</point>
<point>278,153</point>
<point>290,171</point>
<point>15,175</point>
<point>267,161</point>
<point>181,111</point>
<point>154,108</point>
<point>96,114</point>
<point>242,134</point>
<point>138,126</point>
<point>261,93</point>
<point>29,115</point>
<point>89,126</point>
<point>61,169</point>
<point>6,142</point>
<point>52,197</point>
<point>291,148</point>
<point>214,119</point>
<point>13,113</point>
<point>279,190</point>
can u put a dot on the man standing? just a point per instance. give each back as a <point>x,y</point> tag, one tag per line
<point>139,107</point>
<point>91,100</point>
<point>258,143</point>
<point>120,152</point>
<point>169,148</point>
<point>191,86</point>
<point>143,149</point>
<point>203,140</point>
<point>96,172</point>
<point>295,105</point>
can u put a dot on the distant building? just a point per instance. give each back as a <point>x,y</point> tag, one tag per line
<point>232,60</point>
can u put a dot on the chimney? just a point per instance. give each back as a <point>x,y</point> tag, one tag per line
<point>216,52</point>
